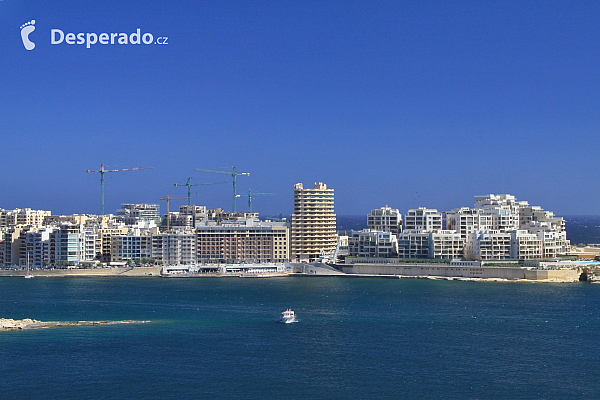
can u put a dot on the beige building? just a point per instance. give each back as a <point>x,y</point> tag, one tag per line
<point>313,223</point>
<point>258,242</point>
<point>22,216</point>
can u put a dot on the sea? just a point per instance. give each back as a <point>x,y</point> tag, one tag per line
<point>357,338</point>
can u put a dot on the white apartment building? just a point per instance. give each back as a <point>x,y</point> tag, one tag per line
<point>423,219</point>
<point>385,219</point>
<point>367,243</point>
<point>488,245</point>
<point>466,220</point>
<point>525,245</point>
<point>446,245</point>
<point>72,244</point>
<point>536,214</point>
<point>38,248</point>
<point>413,244</point>
<point>174,248</point>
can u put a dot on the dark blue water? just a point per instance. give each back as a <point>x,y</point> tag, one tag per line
<point>357,338</point>
<point>583,229</point>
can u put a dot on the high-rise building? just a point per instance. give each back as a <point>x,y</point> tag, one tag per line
<point>312,225</point>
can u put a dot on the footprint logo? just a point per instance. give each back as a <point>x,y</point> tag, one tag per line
<point>26,29</point>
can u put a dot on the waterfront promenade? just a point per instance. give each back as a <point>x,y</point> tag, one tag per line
<point>407,271</point>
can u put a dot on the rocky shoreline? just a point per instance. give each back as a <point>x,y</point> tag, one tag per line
<point>7,324</point>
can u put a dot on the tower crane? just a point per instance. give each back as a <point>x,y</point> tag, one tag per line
<point>189,185</point>
<point>102,171</point>
<point>168,200</point>
<point>253,195</point>
<point>233,174</point>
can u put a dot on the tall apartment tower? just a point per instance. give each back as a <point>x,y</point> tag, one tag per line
<point>312,226</point>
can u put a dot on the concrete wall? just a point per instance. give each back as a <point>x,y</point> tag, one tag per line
<point>554,274</point>
<point>436,270</point>
<point>418,269</point>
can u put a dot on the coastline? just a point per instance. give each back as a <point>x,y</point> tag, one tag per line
<point>86,272</point>
<point>156,273</point>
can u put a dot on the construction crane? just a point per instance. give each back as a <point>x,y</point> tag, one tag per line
<point>278,217</point>
<point>168,200</point>
<point>233,174</point>
<point>102,171</point>
<point>253,195</point>
<point>189,185</point>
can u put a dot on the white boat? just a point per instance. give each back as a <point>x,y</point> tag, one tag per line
<point>288,316</point>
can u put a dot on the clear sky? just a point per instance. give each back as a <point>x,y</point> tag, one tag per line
<point>407,104</point>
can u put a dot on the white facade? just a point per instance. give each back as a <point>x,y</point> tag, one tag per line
<point>367,243</point>
<point>488,245</point>
<point>385,219</point>
<point>423,219</point>
<point>73,244</point>
<point>413,244</point>
<point>174,248</point>
<point>446,245</point>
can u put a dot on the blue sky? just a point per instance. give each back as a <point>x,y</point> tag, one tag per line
<point>401,103</point>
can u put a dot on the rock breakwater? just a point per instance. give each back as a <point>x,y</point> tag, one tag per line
<point>7,324</point>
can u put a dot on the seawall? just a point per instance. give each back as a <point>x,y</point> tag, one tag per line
<point>440,270</point>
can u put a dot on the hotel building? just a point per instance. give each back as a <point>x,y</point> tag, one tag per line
<point>313,223</point>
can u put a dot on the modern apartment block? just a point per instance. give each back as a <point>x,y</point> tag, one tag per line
<point>253,242</point>
<point>130,247</point>
<point>488,245</point>
<point>498,227</point>
<point>72,244</point>
<point>174,248</point>
<point>466,220</point>
<point>423,219</point>
<point>413,244</point>
<point>38,247</point>
<point>367,243</point>
<point>385,219</point>
<point>525,245</point>
<point>313,223</point>
<point>446,245</point>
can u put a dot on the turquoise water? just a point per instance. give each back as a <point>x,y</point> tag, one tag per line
<point>357,338</point>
